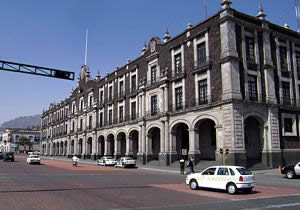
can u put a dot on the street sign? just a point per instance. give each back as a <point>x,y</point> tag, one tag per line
<point>183,151</point>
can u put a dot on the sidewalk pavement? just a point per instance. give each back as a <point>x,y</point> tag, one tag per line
<point>166,169</point>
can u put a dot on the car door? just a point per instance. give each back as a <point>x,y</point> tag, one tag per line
<point>207,177</point>
<point>297,168</point>
<point>222,177</point>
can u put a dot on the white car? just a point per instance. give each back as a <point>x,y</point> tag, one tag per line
<point>125,162</point>
<point>33,159</point>
<point>106,161</point>
<point>229,178</point>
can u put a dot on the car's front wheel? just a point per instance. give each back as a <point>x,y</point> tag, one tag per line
<point>290,174</point>
<point>231,188</point>
<point>193,184</point>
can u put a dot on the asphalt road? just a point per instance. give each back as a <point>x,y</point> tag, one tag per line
<point>56,185</point>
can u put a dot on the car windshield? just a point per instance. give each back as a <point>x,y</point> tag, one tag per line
<point>128,158</point>
<point>243,171</point>
<point>34,156</point>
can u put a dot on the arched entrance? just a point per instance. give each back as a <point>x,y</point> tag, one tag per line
<point>181,132</point>
<point>100,149</point>
<point>61,152</point>
<point>80,146</point>
<point>72,147</point>
<point>110,145</point>
<point>65,148</point>
<point>89,147</point>
<point>206,130</point>
<point>53,149</point>
<point>254,142</point>
<point>121,138</point>
<point>134,143</point>
<point>153,144</point>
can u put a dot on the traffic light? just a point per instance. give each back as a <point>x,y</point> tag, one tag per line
<point>63,74</point>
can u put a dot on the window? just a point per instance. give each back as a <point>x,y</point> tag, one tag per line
<point>91,101</point>
<point>202,88</point>
<point>250,49</point>
<point>133,83</point>
<point>178,98</point>
<point>231,172</point>
<point>73,126</point>
<point>110,93</point>
<point>90,122</point>
<point>283,58</point>
<point>288,125</point>
<point>298,63</point>
<point>252,88</point>
<point>81,105</point>
<point>243,171</point>
<point>178,65</point>
<point>66,130</point>
<point>101,97</point>
<point>133,110</point>
<point>73,108</point>
<point>223,171</point>
<point>153,105</point>
<point>81,125</point>
<point>101,120</point>
<point>201,54</point>
<point>286,93</point>
<point>153,74</point>
<point>121,114</point>
<point>110,117</point>
<point>209,171</point>
<point>121,88</point>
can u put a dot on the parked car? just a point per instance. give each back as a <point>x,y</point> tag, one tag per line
<point>291,170</point>
<point>125,162</point>
<point>1,155</point>
<point>33,159</point>
<point>8,156</point>
<point>229,178</point>
<point>106,161</point>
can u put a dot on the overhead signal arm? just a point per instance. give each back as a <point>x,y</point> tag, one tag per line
<point>36,70</point>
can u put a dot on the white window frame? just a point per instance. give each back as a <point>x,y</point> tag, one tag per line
<point>175,52</point>
<point>293,117</point>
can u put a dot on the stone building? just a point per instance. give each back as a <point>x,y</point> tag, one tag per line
<point>9,140</point>
<point>229,82</point>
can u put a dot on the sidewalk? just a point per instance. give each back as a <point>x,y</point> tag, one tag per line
<point>166,169</point>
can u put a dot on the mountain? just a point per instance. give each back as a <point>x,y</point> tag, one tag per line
<point>23,122</point>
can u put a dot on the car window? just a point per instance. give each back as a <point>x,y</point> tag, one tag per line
<point>34,156</point>
<point>210,171</point>
<point>231,172</point>
<point>223,171</point>
<point>243,171</point>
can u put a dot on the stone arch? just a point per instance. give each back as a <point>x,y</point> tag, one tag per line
<point>153,143</point>
<point>100,145</point>
<point>152,126</point>
<point>65,147</point>
<point>121,131</point>
<point>121,143</point>
<point>80,144</point>
<point>133,135</point>
<point>72,147</point>
<point>89,145</point>
<point>254,139</point>
<point>180,137</point>
<point>205,116</point>
<point>110,141</point>
<point>206,138</point>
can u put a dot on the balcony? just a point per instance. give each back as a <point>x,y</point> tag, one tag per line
<point>79,129</point>
<point>122,95</point>
<point>100,105</point>
<point>287,101</point>
<point>71,131</point>
<point>133,91</point>
<point>153,82</point>
<point>178,73</point>
<point>110,100</point>
<point>153,112</point>
<point>202,65</point>
<point>177,107</point>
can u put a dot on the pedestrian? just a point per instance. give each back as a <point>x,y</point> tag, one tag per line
<point>181,161</point>
<point>191,166</point>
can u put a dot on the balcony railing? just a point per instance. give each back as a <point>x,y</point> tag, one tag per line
<point>122,94</point>
<point>178,72</point>
<point>201,64</point>
<point>152,112</point>
<point>150,83</point>
<point>287,101</point>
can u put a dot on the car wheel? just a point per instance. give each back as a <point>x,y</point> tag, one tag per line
<point>231,188</point>
<point>193,184</point>
<point>290,174</point>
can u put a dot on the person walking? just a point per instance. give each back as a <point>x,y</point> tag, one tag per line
<point>181,161</point>
<point>191,166</point>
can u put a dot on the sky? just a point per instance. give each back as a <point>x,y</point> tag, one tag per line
<point>52,34</point>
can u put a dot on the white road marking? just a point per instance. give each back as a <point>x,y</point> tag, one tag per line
<point>275,206</point>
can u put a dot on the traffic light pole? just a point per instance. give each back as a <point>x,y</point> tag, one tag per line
<point>36,70</point>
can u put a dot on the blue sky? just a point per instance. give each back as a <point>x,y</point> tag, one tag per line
<point>52,34</point>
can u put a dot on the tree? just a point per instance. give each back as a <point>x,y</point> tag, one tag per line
<point>23,140</point>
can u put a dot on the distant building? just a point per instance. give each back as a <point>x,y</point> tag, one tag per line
<point>9,140</point>
<point>230,82</point>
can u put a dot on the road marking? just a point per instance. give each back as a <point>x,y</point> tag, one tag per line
<point>275,206</point>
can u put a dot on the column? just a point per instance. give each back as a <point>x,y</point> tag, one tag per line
<point>161,99</point>
<point>140,149</point>
<point>94,144</point>
<point>162,137</point>
<point>149,145</point>
<point>143,104</point>
<point>166,98</point>
<point>194,141</point>
<point>106,148</point>
<point>128,146</point>
<point>83,152</point>
<point>75,146</point>
<point>166,136</point>
<point>68,146</point>
<point>144,138</point>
